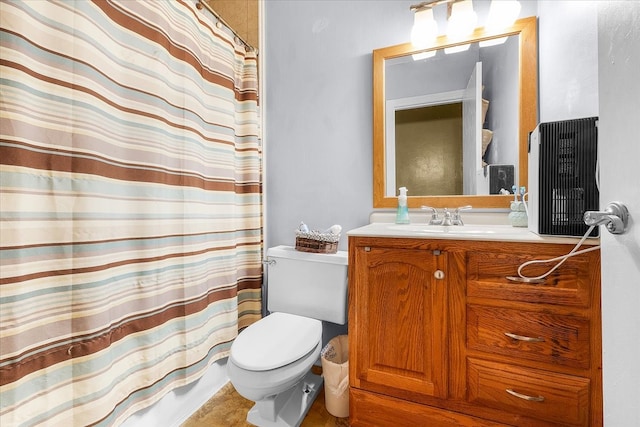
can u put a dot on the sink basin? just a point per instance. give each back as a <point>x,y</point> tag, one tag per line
<point>456,229</point>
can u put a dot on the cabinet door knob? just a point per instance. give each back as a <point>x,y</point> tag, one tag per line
<point>438,274</point>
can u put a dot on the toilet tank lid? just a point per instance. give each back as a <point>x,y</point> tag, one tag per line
<point>274,341</point>
<point>290,252</point>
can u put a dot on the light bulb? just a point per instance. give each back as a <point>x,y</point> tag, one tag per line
<point>425,29</point>
<point>463,20</point>
<point>502,14</point>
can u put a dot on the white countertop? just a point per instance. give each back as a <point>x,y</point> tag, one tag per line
<point>487,232</point>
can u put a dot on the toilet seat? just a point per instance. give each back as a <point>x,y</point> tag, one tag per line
<point>275,341</point>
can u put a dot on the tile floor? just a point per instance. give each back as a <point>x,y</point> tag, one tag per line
<point>228,409</point>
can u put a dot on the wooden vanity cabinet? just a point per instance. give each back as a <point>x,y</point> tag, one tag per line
<point>439,336</point>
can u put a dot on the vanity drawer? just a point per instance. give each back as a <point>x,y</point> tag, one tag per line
<point>542,337</point>
<point>555,398</point>
<point>488,272</point>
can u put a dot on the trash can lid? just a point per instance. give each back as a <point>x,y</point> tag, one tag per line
<point>275,341</point>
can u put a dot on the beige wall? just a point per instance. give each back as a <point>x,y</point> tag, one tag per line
<point>242,17</point>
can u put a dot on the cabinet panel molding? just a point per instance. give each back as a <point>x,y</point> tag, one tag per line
<point>401,306</point>
<point>544,337</point>
<point>488,272</point>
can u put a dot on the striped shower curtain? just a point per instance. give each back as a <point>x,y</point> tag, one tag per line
<point>130,205</point>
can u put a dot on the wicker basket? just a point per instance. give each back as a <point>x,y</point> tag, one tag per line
<point>321,243</point>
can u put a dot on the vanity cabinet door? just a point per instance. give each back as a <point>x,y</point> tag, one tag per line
<point>398,321</point>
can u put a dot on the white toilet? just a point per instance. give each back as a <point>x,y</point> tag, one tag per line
<point>270,361</point>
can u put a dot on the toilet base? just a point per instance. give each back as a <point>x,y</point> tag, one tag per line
<point>288,408</point>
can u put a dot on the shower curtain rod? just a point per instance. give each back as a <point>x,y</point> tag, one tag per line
<point>201,3</point>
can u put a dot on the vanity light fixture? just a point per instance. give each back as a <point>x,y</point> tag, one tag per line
<point>462,21</point>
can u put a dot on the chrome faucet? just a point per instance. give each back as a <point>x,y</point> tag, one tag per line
<point>448,218</point>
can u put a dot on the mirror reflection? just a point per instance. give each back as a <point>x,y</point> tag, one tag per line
<point>453,127</point>
<point>452,121</point>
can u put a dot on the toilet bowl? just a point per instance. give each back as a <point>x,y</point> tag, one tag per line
<point>274,354</point>
<point>270,361</point>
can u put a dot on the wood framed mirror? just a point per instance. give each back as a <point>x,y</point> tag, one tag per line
<point>526,111</point>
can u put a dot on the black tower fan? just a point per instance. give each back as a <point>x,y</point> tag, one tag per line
<point>563,177</point>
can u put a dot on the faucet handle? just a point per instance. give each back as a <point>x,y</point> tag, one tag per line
<point>462,208</point>
<point>457,219</point>
<point>434,212</point>
<point>434,215</point>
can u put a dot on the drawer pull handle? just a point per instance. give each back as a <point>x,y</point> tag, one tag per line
<point>525,397</point>
<point>525,280</point>
<point>523,338</point>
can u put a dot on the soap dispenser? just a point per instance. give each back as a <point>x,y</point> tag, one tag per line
<point>402,215</point>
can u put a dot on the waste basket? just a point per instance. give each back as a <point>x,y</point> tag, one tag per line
<point>335,370</point>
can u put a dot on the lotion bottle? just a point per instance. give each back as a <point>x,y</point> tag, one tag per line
<point>402,215</point>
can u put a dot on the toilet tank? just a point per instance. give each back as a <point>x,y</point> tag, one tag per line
<point>307,284</point>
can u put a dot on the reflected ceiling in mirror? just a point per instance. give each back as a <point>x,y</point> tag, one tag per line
<point>450,174</point>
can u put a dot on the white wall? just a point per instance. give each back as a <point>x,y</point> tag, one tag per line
<point>568,59</point>
<point>619,135</point>
<point>318,97</point>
